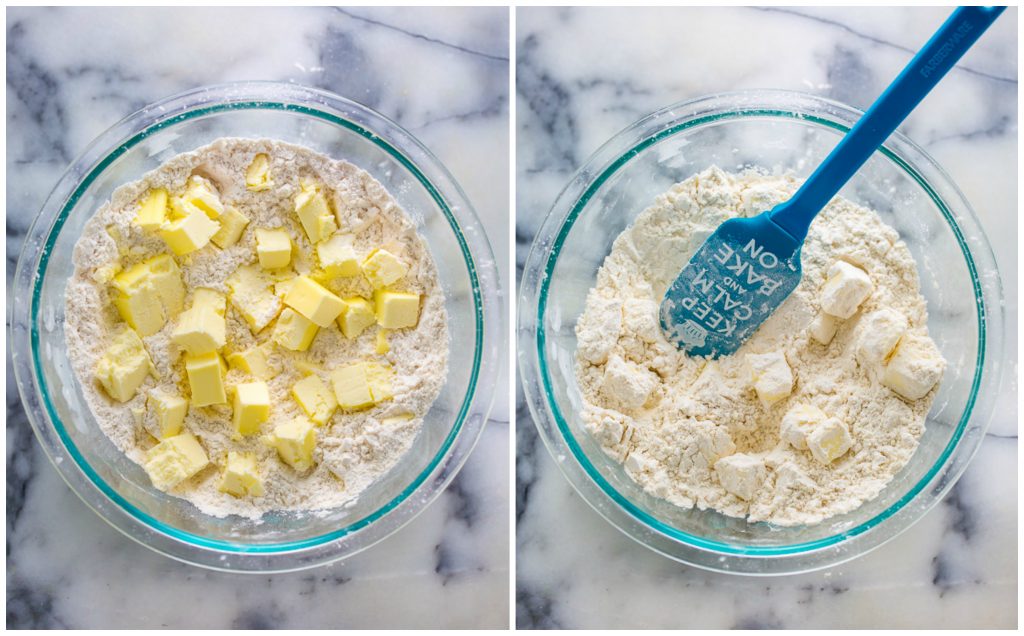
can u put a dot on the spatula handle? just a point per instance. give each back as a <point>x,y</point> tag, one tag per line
<point>931,63</point>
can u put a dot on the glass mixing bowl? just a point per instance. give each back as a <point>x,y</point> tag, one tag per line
<point>771,130</point>
<point>117,488</point>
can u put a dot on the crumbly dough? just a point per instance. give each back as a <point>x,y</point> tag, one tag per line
<point>670,418</point>
<point>353,449</point>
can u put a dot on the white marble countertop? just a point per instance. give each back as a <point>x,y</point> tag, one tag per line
<point>955,568</point>
<point>442,74</point>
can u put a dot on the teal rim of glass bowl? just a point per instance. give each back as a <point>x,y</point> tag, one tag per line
<point>269,548</point>
<point>623,501</point>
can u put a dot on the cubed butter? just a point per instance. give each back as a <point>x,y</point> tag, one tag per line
<point>823,327</point>
<point>252,361</point>
<point>202,328</point>
<point>153,210</point>
<point>295,441</point>
<point>251,407</point>
<point>829,441</point>
<point>124,366</point>
<point>274,248</point>
<point>383,268</point>
<point>396,310</point>
<point>741,474</point>
<point>241,476</point>
<point>846,288</point>
<point>915,367</point>
<point>170,411</point>
<point>174,460</point>
<point>878,334</point>
<point>148,293</point>
<point>257,175</point>
<point>200,194</point>
<point>381,345</point>
<point>232,224</point>
<point>356,316</point>
<point>380,377</point>
<point>395,421</point>
<point>351,386</point>
<point>315,214</point>
<point>206,378</point>
<point>294,331</point>
<point>798,422</point>
<point>251,296</point>
<point>137,301</point>
<point>282,287</point>
<point>337,255</point>
<point>188,233</point>
<point>315,399</point>
<point>314,301</point>
<point>770,375</point>
<point>166,279</point>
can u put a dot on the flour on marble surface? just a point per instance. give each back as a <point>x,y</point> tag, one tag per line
<point>353,449</point>
<point>669,417</point>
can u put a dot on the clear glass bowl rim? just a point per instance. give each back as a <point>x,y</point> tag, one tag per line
<point>553,427</point>
<point>340,111</point>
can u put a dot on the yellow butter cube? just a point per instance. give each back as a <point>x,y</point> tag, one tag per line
<point>232,224</point>
<point>337,256</point>
<point>189,233</point>
<point>315,399</point>
<point>149,292</point>
<point>274,248</point>
<point>202,195</point>
<point>397,420</point>
<point>829,441</point>
<point>282,287</point>
<point>356,317</point>
<point>181,207</point>
<point>314,301</point>
<point>382,268</point>
<point>295,441</point>
<point>152,211</point>
<point>202,328</point>
<point>381,345</point>
<point>174,460</point>
<point>241,476</point>
<point>396,310</point>
<point>915,368</point>
<point>251,407</point>
<point>251,296</point>
<point>351,387</point>
<point>294,331</point>
<point>252,361</point>
<point>379,377</point>
<point>315,214</point>
<point>206,378</point>
<point>771,376</point>
<point>170,412</point>
<point>137,301</point>
<point>257,175</point>
<point>124,366</point>
<point>166,279</point>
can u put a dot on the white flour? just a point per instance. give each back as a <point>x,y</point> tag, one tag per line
<point>669,417</point>
<point>353,449</point>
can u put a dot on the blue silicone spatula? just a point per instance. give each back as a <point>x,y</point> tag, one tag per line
<point>749,266</point>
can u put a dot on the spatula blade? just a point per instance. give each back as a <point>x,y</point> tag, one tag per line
<point>737,278</point>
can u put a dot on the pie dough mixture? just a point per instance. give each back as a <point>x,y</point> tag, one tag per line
<point>813,415</point>
<point>257,325</point>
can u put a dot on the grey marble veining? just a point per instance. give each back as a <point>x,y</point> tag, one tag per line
<point>443,74</point>
<point>583,75</point>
